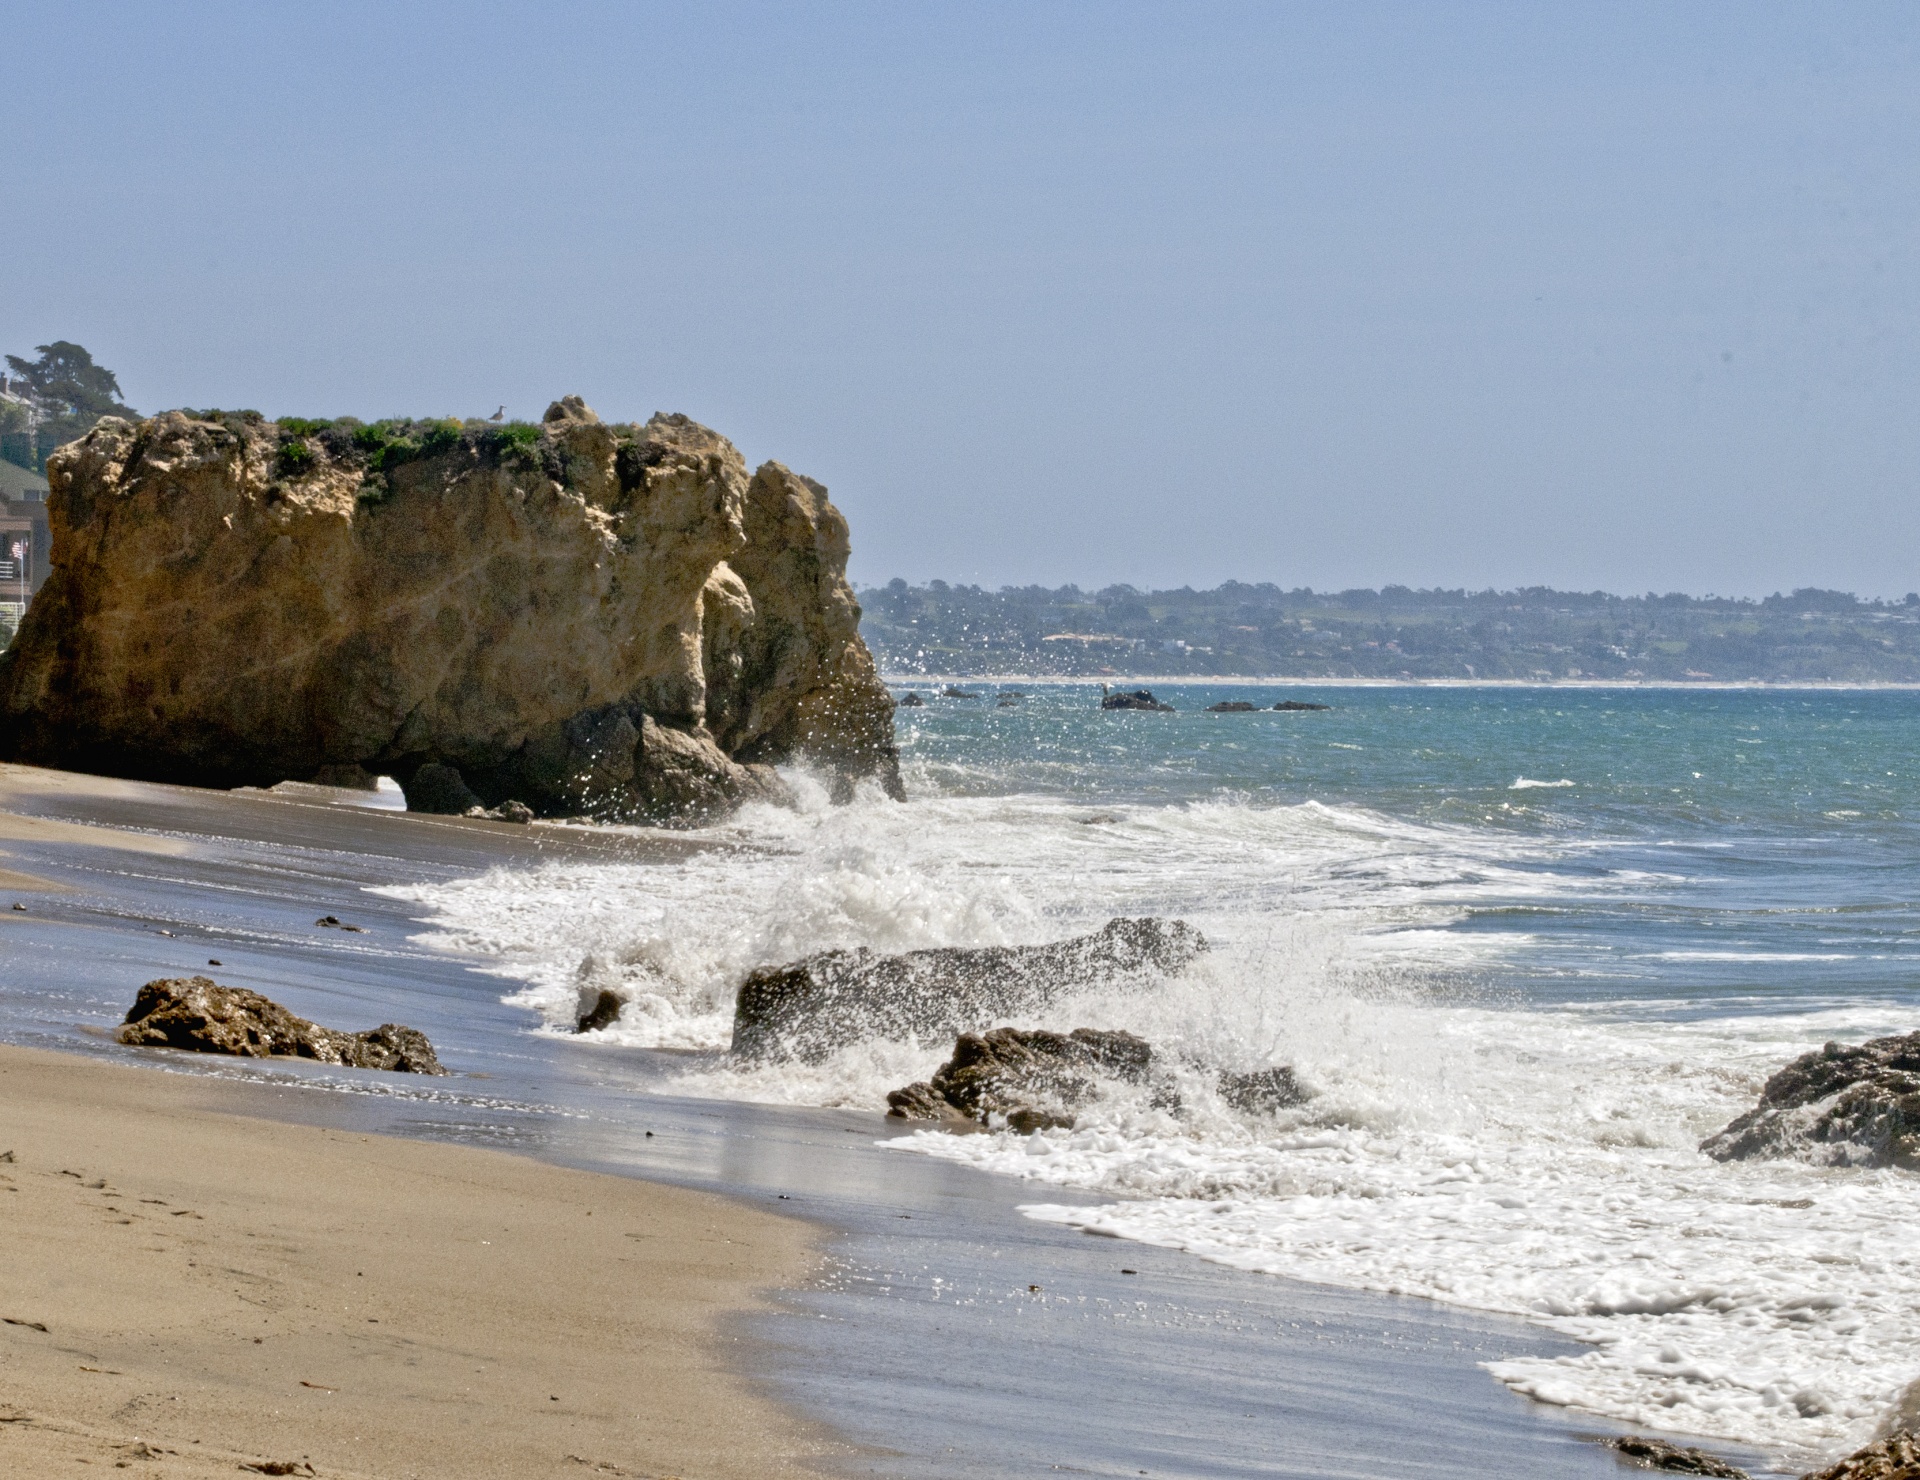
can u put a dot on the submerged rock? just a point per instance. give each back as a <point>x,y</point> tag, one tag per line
<point>611,621</point>
<point>197,1013</point>
<point>810,1008</point>
<point>602,1012</point>
<point>1658,1454</point>
<point>1026,1079</point>
<point>1137,699</point>
<point>1841,1105</point>
<point>1261,1091</point>
<point>1299,706</point>
<point>1896,1457</point>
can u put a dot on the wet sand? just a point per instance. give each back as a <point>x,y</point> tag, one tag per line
<point>948,1338</point>
<point>187,1292</point>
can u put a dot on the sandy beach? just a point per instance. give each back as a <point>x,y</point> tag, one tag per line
<point>190,1292</point>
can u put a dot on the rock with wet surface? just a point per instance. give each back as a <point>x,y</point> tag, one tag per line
<point>812,1007</point>
<point>1261,1091</point>
<point>1025,1079</point>
<point>1135,699</point>
<point>1300,706</point>
<point>1896,1457</point>
<point>1232,706</point>
<point>1658,1454</point>
<point>198,1014</point>
<point>1841,1105</point>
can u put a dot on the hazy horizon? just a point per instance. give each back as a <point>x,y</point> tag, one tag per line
<point>1614,297</point>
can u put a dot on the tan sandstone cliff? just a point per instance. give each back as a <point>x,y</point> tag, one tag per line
<point>590,619</point>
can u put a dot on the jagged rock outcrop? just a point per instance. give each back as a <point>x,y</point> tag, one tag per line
<point>1896,1457</point>
<point>1030,1079</point>
<point>196,1013</point>
<point>1841,1105</point>
<point>1025,1079</point>
<point>810,1008</point>
<point>614,621</point>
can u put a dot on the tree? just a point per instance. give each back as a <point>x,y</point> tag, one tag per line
<point>69,392</point>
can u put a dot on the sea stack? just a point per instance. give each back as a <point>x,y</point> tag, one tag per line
<point>614,621</point>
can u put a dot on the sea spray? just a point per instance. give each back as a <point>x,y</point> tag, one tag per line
<point>1518,1006</point>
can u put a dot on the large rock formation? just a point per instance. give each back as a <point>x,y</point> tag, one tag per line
<point>1841,1105</point>
<point>197,1013</point>
<point>605,620</point>
<point>810,1008</point>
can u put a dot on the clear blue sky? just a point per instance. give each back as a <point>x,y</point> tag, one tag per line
<point>1597,295</point>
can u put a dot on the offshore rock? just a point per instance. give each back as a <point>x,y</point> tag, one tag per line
<point>1137,699</point>
<point>196,1013</point>
<point>611,621</point>
<point>1300,706</point>
<point>1842,1105</point>
<point>1896,1457</point>
<point>1232,706</point>
<point>1025,1079</point>
<point>811,1007</point>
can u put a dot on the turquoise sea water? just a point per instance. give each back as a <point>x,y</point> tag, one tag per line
<point>1751,846</point>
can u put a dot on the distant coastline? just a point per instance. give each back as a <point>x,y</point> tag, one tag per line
<point>1530,636</point>
<point>931,681</point>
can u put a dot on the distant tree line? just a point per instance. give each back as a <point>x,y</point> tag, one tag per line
<point>1535,633</point>
<point>52,400</point>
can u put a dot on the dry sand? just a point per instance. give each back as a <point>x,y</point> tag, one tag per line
<point>217,1292</point>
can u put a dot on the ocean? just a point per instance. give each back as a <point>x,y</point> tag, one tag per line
<point>1526,947</point>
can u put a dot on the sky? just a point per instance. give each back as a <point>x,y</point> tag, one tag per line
<point>1595,295</point>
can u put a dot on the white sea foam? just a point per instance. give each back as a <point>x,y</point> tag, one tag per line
<point>1539,1162</point>
<point>1544,1164</point>
<point>1527,783</point>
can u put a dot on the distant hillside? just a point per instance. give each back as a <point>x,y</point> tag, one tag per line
<point>1262,631</point>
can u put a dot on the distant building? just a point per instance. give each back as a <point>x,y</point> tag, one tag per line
<point>24,541</point>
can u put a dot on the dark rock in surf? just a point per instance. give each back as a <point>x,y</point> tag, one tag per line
<point>507,811</point>
<point>440,788</point>
<point>922,1101</point>
<point>605,1010</point>
<point>198,1014</point>
<point>950,692</point>
<point>1842,1105</point>
<point>1137,699</point>
<point>1896,1457</point>
<point>1006,704</point>
<point>1025,1079</point>
<point>1232,706</point>
<point>911,700</point>
<point>1300,706</point>
<point>1261,1091</point>
<point>1658,1454</point>
<point>809,1008</point>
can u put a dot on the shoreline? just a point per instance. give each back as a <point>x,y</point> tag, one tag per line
<point>947,1336</point>
<point>197,1289</point>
